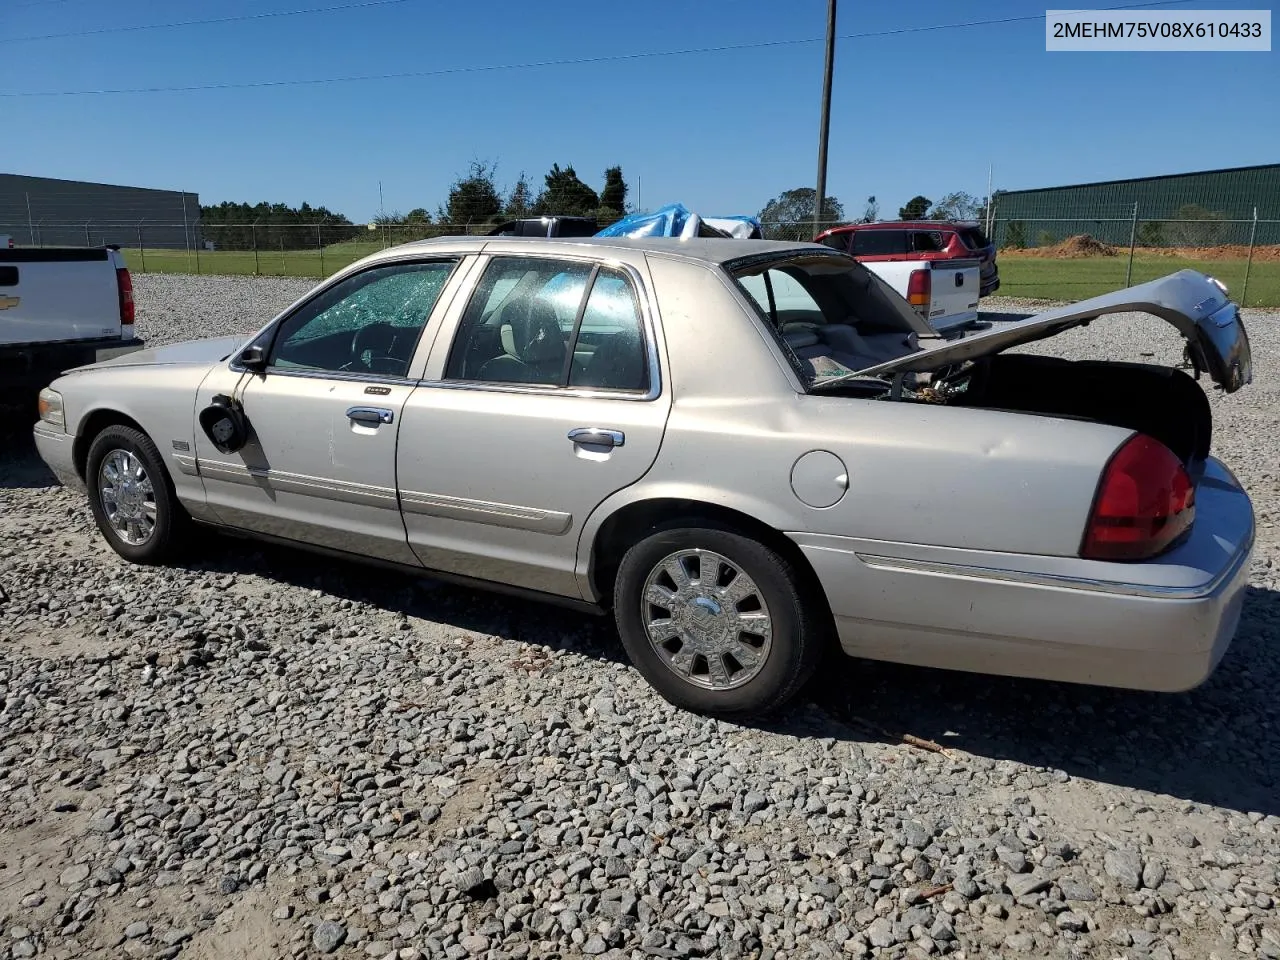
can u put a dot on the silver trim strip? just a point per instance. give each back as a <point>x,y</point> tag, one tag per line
<point>321,487</point>
<point>966,572</point>
<point>187,464</point>
<point>46,431</point>
<point>512,515</point>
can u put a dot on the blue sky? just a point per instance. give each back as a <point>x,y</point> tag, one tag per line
<point>723,133</point>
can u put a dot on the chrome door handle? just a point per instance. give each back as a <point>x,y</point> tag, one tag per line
<point>598,435</point>
<point>371,415</point>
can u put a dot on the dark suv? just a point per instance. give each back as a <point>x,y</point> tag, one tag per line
<point>918,240</point>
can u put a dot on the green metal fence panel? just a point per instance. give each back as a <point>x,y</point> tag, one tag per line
<point>1214,206</point>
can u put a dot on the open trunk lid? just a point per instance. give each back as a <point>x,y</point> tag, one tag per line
<point>1195,304</point>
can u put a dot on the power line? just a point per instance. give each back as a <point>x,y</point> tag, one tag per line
<point>559,62</point>
<point>201,23</point>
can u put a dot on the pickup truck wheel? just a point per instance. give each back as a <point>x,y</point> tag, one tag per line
<point>718,623</point>
<point>131,497</point>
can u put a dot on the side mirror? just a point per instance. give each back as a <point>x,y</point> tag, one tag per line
<point>253,358</point>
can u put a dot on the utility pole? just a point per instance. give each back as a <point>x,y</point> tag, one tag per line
<point>987,225</point>
<point>819,201</point>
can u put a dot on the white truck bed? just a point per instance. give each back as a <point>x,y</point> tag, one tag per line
<point>953,288</point>
<point>60,307</point>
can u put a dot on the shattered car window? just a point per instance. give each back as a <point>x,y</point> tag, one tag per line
<point>830,316</point>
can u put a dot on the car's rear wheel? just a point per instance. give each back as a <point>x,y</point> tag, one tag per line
<point>131,497</point>
<point>717,622</point>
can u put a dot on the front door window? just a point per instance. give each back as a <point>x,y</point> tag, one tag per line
<point>368,324</point>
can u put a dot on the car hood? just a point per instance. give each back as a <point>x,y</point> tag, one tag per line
<point>193,352</point>
<point>1195,304</point>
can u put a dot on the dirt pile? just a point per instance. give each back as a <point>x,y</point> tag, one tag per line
<point>1084,245</point>
<point>1072,248</point>
<point>1269,253</point>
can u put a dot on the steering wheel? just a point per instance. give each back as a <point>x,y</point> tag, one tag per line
<point>377,340</point>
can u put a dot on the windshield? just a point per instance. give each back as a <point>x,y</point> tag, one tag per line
<point>831,316</point>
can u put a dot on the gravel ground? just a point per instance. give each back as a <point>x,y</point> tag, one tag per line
<point>267,754</point>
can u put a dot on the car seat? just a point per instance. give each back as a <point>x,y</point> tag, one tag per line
<point>617,364</point>
<point>533,346</point>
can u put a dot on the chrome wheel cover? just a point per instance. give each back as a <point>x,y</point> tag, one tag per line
<point>127,497</point>
<point>706,619</point>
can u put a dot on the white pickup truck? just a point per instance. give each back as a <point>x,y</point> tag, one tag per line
<point>944,292</point>
<point>60,307</point>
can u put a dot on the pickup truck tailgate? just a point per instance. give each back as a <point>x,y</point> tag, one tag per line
<point>56,295</point>
<point>954,292</point>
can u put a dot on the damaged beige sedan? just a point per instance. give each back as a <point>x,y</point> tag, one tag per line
<point>749,452</point>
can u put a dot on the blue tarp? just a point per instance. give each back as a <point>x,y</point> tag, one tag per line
<point>673,219</point>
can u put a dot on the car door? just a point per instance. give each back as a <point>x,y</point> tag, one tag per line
<point>323,415</point>
<point>547,398</point>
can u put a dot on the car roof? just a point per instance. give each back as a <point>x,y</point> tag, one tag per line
<point>714,250</point>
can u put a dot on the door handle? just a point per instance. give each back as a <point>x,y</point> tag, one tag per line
<point>371,415</point>
<point>598,435</point>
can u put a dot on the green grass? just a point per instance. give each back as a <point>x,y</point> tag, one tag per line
<point>267,263</point>
<point>1019,276</point>
<point>1090,276</point>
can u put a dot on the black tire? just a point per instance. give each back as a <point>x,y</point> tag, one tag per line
<point>800,621</point>
<point>172,522</point>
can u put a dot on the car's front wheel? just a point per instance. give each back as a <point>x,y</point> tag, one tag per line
<point>718,623</point>
<point>130,497</point>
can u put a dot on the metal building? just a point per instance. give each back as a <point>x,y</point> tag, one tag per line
<point>1217,205</point>
<point>45,212</point>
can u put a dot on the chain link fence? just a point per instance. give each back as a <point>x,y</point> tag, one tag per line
<point>1065,256</point>
<point>1070,257</point>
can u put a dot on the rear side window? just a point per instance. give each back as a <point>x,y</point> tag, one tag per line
<point>837,241</point>
<point>554,323</point>
<point>878,243</point>
<point>928,241</point>
<point>975,239</point>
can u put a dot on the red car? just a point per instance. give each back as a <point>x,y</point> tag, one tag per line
<point>918,240</point>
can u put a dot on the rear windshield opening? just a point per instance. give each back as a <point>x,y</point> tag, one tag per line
<point>831,316</point>
<point>975,239</point>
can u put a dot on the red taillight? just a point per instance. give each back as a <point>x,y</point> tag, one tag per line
<point>1144,502</point>
<point>919,289</point>
<point>124,285</point>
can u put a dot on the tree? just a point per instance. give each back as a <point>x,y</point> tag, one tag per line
<point>272,226</point>
<point>519,201</point>
<point>986,210</point>
<point>417,215</point>
<point>915,209</point>
<point>473,199</point>
<point>1015,235</point>
<point>1197,226</point>
<point>613,198</point>
<point>871,212</point>
<point>955,206</point>
<point>789,216</point>
<point>1151,233</point>
<point>565,195</point>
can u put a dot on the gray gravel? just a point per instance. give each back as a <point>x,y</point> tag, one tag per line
<point>266,754</point>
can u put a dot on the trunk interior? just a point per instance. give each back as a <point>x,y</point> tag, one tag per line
<point>1162,402</point>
